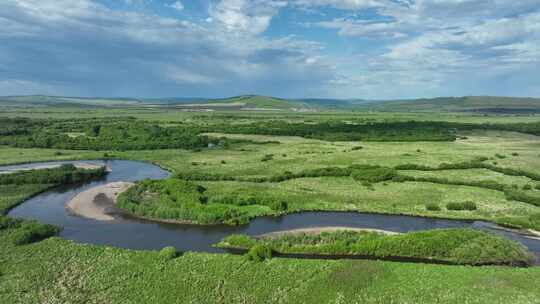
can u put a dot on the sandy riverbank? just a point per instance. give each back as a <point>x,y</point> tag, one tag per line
<point>317,230</point>
<point>98,203</point>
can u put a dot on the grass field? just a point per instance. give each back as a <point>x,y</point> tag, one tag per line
<point>60,271</point>
<point>295,154</point>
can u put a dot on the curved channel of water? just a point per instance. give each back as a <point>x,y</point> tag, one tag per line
<point>49,207</point>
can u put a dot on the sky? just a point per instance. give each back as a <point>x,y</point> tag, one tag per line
<point>366,49</point>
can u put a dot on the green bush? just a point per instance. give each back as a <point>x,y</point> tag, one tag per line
<point>30,232</point>
<point>433,207</point>
<point>279,205</point>
<point>168,253</point>
<point>527,187</point>
<point>259,253</point>
<point>464,206</point>
<point>8,222</point>
<point>374,175</point>
<point>267,157</point>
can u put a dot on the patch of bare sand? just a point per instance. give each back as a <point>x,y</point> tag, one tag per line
<point>98,203</point>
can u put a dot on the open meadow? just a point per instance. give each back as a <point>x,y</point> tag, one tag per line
<point>484,173</point>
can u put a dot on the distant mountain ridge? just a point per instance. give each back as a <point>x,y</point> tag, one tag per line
<point>482,104</point>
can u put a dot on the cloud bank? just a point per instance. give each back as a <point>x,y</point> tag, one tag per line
<point>295,48</point>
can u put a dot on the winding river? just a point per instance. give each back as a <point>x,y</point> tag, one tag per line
<point>125,232</point>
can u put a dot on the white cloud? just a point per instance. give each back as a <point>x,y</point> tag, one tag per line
<point>95,50</point>
<point>245,16</point>
<point>177,6</point>
<point>341,4</point>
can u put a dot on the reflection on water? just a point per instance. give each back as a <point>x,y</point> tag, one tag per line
<point>132,233</point>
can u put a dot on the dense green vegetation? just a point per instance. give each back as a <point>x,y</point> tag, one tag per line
<point>99,134</point>
<point>463,158</point>
<point>460,246</point>
<point>60,271</point>
<point>184,201</point>
<point>259,253</point>
<point>26,232</point>
<point>409,131</point>
<point>64,174</point>
<point>468,206</point>
<point>339,131</point>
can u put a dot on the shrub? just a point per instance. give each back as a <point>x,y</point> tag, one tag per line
<point>412,167</point>
<point>537,187</point>
<point>527,187</point>
<point>30,232</point>
<point>433,207</point>
<point>374,175</point>
<point>464,206</point>
<point>279,205</point>
<point>267,157</point>
<point>357,148</point>
<point>259,253</point>
<point>367,184</point>
<point>500,156</point>
<point>168,253</point>
<point>515,154</point>
<point>8,222</point>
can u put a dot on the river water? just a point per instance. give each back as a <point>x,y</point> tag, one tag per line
<point>126,232</point>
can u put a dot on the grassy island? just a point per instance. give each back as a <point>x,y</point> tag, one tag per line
<point>456,246</point>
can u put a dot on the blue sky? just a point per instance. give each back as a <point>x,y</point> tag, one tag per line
<point>287,48</point>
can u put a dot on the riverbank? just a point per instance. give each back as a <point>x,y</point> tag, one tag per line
<point>98,203</point>
<point>78,165</point>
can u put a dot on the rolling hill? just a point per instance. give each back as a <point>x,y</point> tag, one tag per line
<point>474,104</point>
<point>480,104</point>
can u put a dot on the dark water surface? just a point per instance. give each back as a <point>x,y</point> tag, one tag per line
<point>49,207</point>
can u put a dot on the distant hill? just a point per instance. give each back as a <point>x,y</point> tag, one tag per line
<point>479,104</point>
<point>43,100</point>
<point>251,102</point>
<point>245,102</point>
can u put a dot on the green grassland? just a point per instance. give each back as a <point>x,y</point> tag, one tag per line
<point>60,271</point>
<point>295,154</point>
<point>345,194</point>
